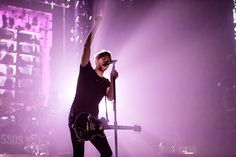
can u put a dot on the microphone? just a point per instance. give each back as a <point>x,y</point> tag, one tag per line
<point>110,62</point>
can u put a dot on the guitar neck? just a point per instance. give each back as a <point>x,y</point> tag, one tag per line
<point>123,127</point>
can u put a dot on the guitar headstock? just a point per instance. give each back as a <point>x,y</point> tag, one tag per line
<point>137,128</point>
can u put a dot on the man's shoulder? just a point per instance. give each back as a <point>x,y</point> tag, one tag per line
<point>86,67</point>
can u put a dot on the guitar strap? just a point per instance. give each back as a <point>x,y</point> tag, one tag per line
<point>106,109</point>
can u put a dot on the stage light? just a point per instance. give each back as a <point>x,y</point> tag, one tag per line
<point>7,34</point>
<point>34,118</point>
<point>4,117</point>
<point>76,4</point>
<point>25,59</point>
<point>7,70</point>
<point>24,71</point>
<point>7,46</point>
<point>28,36</point>
<point>72,30</point>
<point>7,59</point>
<point>72,39</point>
<point>77,19</point>
<point>52,4</point>
<point>29,48</point>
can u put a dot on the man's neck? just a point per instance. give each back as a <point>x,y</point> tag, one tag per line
<point>99,72</point>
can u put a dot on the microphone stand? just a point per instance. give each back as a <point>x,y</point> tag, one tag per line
<point>115,114</point>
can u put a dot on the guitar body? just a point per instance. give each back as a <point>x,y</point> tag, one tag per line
<point>87,127</point>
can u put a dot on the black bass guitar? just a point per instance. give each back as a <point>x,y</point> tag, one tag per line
<point>87,127</point>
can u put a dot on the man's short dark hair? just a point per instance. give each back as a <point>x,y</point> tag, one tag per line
<point>102,54</point>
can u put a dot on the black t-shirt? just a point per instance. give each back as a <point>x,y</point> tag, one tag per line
<point>90,90</point>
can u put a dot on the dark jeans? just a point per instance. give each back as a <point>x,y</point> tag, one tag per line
<point>100,142</point>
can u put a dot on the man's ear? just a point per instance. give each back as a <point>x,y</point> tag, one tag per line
<point>96,61</point>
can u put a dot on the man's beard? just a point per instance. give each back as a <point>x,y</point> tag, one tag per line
<point>102,68</point>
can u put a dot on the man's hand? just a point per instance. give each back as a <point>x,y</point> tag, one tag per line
<point>98,20</point>
<point>114,74</point>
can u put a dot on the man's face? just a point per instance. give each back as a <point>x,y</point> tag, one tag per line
<point>101,63</point>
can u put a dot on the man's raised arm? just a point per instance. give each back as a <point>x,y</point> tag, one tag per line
<point>87,45</point>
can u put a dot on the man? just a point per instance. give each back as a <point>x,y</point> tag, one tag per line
<point>91,88</point>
